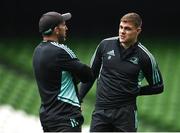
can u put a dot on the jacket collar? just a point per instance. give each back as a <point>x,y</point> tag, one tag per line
<point>125,53</point>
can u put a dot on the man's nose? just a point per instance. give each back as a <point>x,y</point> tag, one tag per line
<point>122,30</point>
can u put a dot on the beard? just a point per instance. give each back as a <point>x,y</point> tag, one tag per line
<point>62,38</point>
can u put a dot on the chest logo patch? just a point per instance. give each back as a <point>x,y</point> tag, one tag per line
<point>134,60</point>
<point>110,54</point>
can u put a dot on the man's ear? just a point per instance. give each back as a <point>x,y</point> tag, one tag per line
<point>56,30</point>
<point>139,30</point>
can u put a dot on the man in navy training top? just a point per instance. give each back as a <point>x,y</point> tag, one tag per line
<point>119,64</point>
<point>57,71</point>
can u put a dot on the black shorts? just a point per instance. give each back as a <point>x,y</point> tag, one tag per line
<point>71,124</point>
<point>122,119</point>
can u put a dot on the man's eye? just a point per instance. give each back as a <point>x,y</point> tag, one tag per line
<point>128,29</point>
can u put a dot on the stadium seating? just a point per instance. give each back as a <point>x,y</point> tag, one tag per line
<point>156,113</point>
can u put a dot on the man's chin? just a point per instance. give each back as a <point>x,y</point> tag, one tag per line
<point>62,38</point>
<point>122,41</point>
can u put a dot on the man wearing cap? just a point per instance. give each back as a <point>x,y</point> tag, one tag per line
<point>57,71</point>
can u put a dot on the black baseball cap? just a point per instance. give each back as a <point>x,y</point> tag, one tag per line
<point>50,20</point>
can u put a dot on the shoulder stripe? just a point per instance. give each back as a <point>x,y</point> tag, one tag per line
<point>68,50</point>
<point>92,60</point>
<point>93,57</point>
<point>156,77</point>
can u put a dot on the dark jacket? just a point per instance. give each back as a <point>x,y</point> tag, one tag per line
<point>119,71</point>
<point>57,69</point>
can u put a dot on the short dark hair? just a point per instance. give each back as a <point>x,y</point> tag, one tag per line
<point>50,20</point>
<point>132,17</point>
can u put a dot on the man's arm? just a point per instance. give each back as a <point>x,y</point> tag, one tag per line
<point>69,62</point>
<point>153,76</point>
<point>96,62</point>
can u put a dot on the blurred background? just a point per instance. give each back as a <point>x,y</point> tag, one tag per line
<point>91,22</point>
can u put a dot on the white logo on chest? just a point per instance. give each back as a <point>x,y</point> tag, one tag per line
<point>134,60</point>
<point>110,54</point>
